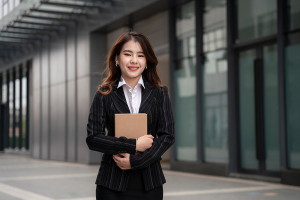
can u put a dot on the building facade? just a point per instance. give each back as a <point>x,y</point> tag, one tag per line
<point>231,67</point>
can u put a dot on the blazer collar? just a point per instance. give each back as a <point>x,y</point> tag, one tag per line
<point>118,97</point>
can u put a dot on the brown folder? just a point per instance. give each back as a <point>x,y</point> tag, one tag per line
<point>131,125</point>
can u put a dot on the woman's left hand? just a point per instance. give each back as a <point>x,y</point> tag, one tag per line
<point>122,160</point>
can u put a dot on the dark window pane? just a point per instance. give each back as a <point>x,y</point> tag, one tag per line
<point>215,83</point>
<point>185,87</point>
<point>292,73</point>
<point>256,19</point>
<point>247,110</point>
<point>271,108</point>
<point>294,12</point>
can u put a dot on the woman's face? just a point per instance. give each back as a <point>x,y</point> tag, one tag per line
<point>131,60</point>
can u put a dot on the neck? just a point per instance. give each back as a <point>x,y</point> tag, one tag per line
<point>132,82</point>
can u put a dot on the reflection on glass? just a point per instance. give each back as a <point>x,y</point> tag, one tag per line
<point>294,12</point>
<point>17,111</point>
<point>4,89</point>
<point>11,109</point>
<point>247,110</point>
<point>292,84</point>
<point>256,19</point>
<point>16,107</point>
<point>24,111</point>
<point>185,87</point>
<point>271,108</point>
<point>214,101</point>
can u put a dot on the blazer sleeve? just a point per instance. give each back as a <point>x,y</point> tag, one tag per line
<point>165,133</point>
<point>96,138</point>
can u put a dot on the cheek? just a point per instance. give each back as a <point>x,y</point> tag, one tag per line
<point>143,63</point>
<point>123,62</point>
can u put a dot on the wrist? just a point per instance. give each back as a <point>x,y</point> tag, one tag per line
<point>136,144</point>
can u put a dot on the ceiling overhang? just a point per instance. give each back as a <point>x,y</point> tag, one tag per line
<point>34,20</point>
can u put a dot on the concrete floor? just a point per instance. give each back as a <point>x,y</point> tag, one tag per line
<point>24,178</point>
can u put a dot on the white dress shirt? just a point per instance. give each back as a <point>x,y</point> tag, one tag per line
<point>133,96</point>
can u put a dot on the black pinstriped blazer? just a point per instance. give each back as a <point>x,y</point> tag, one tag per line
<point>156,103</point>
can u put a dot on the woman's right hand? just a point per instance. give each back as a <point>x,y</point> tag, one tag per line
<point>144,142</point>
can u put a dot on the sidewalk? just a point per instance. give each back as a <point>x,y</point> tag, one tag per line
<point>23,178</point>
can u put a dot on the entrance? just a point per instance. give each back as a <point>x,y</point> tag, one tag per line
<point>258,110</point>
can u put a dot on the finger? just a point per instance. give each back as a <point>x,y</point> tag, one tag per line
<point>116,159</point>
<point>126,155</point>
<point>122,155</point>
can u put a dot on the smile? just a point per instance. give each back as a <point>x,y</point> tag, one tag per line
<point>133,68</point>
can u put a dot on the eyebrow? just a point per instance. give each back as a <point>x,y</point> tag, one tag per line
<point>126,50</point>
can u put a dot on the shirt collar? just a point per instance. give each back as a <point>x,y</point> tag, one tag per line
<point>123,82</point>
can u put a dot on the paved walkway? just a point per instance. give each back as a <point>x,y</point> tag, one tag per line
<point>23,178</point>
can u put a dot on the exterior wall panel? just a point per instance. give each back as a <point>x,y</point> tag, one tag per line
<point>71,112</point>
<point>83,95</point>
<point>57,65</point>
<point>35,120</point>
<point>71,54</point>
<point>58,122</point>
<point>44,134</point>
<point>35,105</point>
<point>83,53</point>
<point>45,119</point>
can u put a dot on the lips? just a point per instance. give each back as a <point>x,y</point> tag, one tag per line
<point>133,68</point>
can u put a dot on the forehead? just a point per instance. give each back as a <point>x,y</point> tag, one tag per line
<point>133,46</point>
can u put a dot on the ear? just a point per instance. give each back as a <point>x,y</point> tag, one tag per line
<point>117,60</point>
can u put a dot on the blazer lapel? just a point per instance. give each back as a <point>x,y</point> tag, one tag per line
<point>146,94</point>
<point>119,100</point>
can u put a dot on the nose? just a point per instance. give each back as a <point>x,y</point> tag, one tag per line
<point>134,59</point>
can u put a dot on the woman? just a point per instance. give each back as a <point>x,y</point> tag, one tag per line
<point>131,85</point>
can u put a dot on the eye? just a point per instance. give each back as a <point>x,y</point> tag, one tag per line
<point>141,56</point>
<point>127,54</point>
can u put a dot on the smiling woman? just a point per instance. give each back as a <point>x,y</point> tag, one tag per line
<point>131,85</point>
<point>113,72</point>
<point>132,62</point>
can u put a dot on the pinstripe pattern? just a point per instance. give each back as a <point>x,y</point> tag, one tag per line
<point>156,103</point>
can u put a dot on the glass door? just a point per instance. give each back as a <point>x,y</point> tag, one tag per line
<point>258,110</point>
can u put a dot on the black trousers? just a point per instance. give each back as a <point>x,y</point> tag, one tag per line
<point>103,193</point>
<point>135,191</point>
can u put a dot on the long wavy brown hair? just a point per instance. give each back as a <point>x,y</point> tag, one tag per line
<point>113,73</point>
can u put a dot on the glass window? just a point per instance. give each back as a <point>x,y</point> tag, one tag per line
<point>17,109</point>
<point>14,96</point>
<point>292,84</point>
<point>247,110</point>
<point>215,82</point>
<point>271,108</point>
<point>4,88</point>
<point>256,19</point>
<point>294,12</point>
<point>11,110</point>
<point>185,87</point>
<point>24,111</point>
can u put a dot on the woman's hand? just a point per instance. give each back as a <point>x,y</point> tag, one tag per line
<point>122,160</point>
<point>144,142</point>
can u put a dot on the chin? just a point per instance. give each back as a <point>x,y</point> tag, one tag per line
<point>134,75</point>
